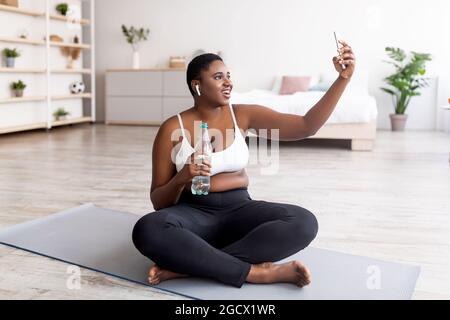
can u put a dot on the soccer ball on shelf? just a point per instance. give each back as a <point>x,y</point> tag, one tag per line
<point>77,87</point>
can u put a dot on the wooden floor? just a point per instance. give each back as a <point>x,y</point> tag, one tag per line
<point>392,203</point>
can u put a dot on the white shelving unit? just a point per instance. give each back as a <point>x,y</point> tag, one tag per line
<point>40,106</point>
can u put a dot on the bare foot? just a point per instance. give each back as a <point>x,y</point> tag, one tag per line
<point>265,264</point>
<point>291,272</point>
<point>157,275</point>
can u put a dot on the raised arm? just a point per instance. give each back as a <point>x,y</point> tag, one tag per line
<point>290,126</point>
<point>319,114</point>
<point>295,127</point>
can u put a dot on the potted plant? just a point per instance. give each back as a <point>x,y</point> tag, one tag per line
<point>10,56</point>
<point>62,8</point>
<point>60,114</point>
<point>405,82</point>
<point>17,88</point>
<point>134,36</point>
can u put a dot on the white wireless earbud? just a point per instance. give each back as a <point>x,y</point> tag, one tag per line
<point>198,90</point>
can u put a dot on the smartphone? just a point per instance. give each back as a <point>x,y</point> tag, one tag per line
<point>337,47</point>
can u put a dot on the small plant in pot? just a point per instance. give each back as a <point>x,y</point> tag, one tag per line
<point>17,88</point>
<point>62,8</point>
<point>10,56</point>
<point>405,82</point>
<point>60,114</point>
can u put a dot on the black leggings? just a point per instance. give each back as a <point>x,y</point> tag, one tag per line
<point>221,234</point>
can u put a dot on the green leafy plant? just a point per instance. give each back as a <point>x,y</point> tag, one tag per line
<point>407,80</point>
<point>135,35</point>
<point>62,8</point>
<point>11,53</point>
<point>19,85</point>
<point>60,112</point>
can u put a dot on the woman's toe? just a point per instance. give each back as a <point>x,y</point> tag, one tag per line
<point>153,280</point>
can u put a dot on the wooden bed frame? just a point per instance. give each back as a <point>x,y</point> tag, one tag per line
<point>362,135</point>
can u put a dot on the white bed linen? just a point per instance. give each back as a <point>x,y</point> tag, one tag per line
<point>351,108</point>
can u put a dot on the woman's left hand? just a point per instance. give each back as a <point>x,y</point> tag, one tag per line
<point>347,58</point>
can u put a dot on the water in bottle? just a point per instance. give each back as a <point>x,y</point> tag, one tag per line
<point>203,150</point>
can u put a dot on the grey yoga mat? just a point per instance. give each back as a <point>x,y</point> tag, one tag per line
<point>100,239</point>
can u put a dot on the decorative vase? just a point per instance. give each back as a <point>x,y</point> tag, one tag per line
<point>398,121</point>
<point>18,93</point>
<point>136,60</point>
<point>10,62</point>
<point>69,62</point>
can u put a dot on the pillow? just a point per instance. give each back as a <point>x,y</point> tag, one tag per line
<point>359,84</point>
<point>290,85</point>
<point>321,86</point>
<point>278,80</point>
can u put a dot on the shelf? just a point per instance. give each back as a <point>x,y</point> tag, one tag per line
<point>34,13</point>
<point>42,42</point>
<point>145,69</point>
<point>70,45</point>
<point>48,19</point>
<point>83,22</point>
<point>62,71</point>
<point>43,98</point>
<point>72,96</point>
<point>31,126</point>
<point>23,99</point>
<point>21,11</point>
<point>56,71</point>
<point>71,121</point>
<point>43,125</point>
<point>23,41</point>
<point>21,70</point>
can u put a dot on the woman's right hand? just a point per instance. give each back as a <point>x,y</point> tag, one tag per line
<point>193,169</point>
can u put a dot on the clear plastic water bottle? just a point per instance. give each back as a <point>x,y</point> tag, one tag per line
<point>203,150</point>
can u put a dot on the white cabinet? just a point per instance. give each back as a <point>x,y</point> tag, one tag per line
<point>174,84</point>
<point>145,96</point>
<point>134,83</point>
<point>173,105</point>
<point>136,110</point>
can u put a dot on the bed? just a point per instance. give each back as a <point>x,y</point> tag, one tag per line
<point>354,117</point>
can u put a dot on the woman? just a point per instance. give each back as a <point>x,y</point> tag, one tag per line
<point>226,235</point>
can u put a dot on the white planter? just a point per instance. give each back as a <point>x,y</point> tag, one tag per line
<point>136,60</point>
<point>10,62</point>
<point>60,118</point>
<point>69,62</point>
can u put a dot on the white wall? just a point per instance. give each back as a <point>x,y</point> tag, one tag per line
<point>263,38</point>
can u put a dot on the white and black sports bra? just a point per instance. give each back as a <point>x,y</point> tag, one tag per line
<point>233,158</point>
